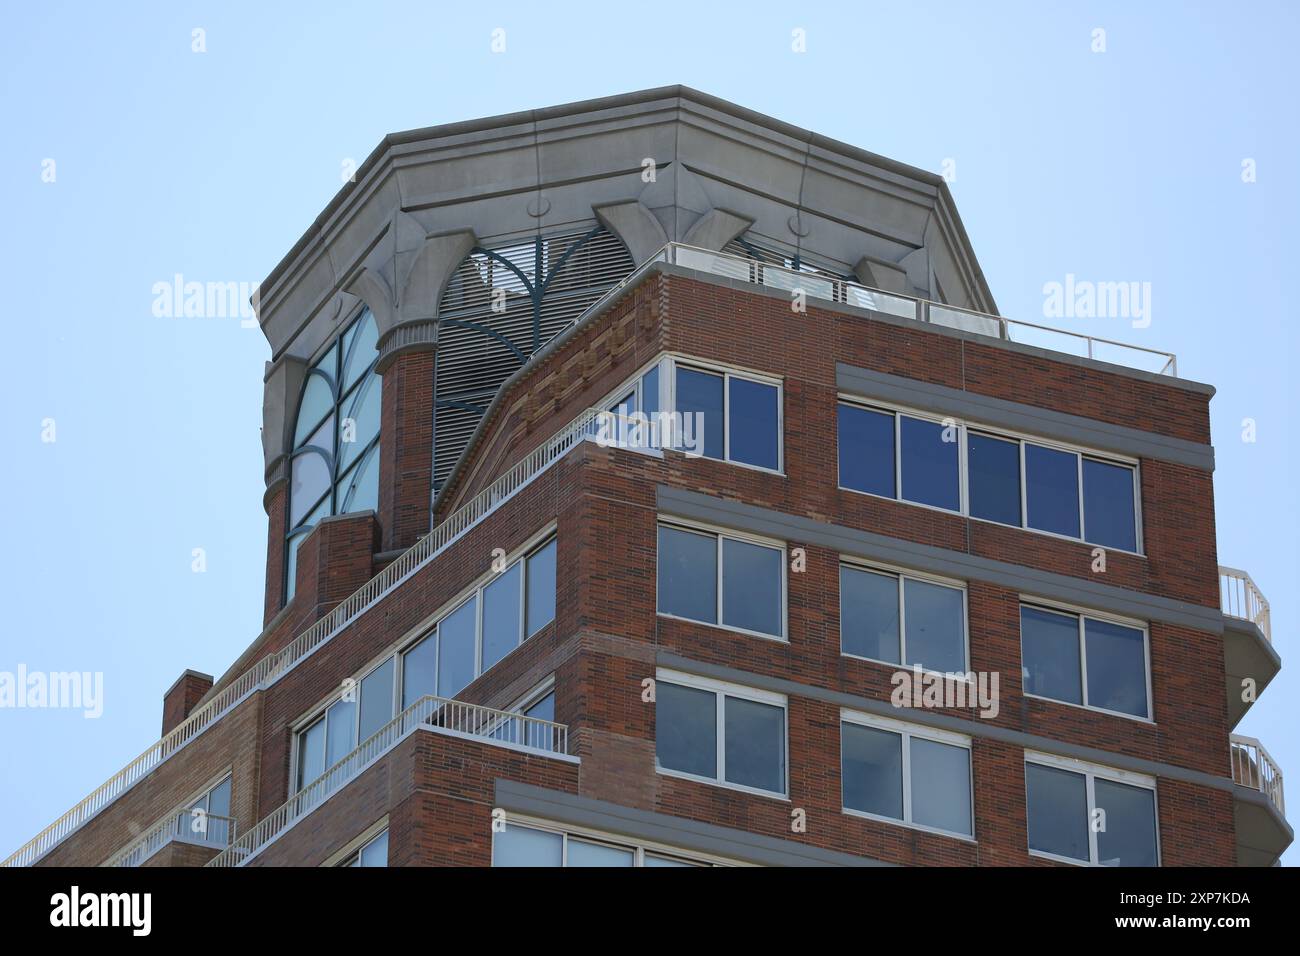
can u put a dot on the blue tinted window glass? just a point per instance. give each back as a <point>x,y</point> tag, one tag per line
<point>1057,811</point>
<point>930,468</point>
<point>1117,667</point>
<point>456,649</point>
<point>524,846</point>
<point>650,392</point>
<point>1049,652</point>
<point>311,753</point>
<point>419,671</point>
<point>1052,490</point>
<point>751,586</point>
<point>755,435</point>
<point>941,786</point>
<point>376,700</point>
<point>586,854</point>
<point>754,744</point>
<point>994,469</point>
<point>866,447</point>
<point>650,406</point>
<point>501,614</point>
<point>701,392</point>
<point>686,729</point>
<point>869,614</point>
<point>935,626</point>
<point>1109,517</point>
<point>872,770</point>
<point>688,574</point>
<point>541,588</point>
<point>375,853</point>
<point>1130,835</point>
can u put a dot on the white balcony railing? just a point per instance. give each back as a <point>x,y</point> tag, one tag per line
<point>184,825</point>
<point>438,714</point>
<point>1253,767</point>
<point>820,286</point>
<point>274,666</point>
<point>1242,599</point>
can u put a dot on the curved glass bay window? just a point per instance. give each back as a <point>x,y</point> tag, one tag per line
<point>334,468</point>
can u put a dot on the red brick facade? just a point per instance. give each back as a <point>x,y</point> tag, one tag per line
<point>437,791</point>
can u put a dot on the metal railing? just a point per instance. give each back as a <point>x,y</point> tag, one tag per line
<point>440,714</point>
<point>1240,598</point>
<point>821,286</point>
<point>185,825</point>
<point>274,666</point>
<point>1253,767</point>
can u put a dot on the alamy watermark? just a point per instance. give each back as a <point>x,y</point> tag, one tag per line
<point>924,689</point>
<point>1083,299</point>
<point>58,690</point>
<point>177,298</point>
<point>641,431</point>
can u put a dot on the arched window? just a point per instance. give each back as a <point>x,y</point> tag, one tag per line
<point>334,468</point>
<point>500,306</point>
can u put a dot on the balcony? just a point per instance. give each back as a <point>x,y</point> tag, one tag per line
<point>438,715</point>
<point>192,828</point>
<point>1250,660</point>
<point>818,285</point>
<point>1259,806</point>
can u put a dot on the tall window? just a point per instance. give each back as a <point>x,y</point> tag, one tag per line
<point>334,468</point>
<point>501,614</point>
<point>1084,814</point>
<point>720,733</point>
<point>901,619</point>
<point>209,819</point>
<point>722,579</point>
<point>713,412</point>
<point>1084,660</point>
<point>374,853</point>
<point>894,771</point>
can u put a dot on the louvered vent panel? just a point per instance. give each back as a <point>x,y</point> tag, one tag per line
<point>575,271</point>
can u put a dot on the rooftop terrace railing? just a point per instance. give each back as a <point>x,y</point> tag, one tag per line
<point>1253,767</point>
<point>184,825</point>
<point>1240,598</point>
<point>820,286</point>
<point>439,714</point>
<point>274,666</point>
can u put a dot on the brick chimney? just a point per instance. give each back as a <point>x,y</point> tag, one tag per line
<point>183,695</point>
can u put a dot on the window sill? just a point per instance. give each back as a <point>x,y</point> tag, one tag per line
<point>724,627</point>
<point>1095,710</point>
<point>906,824</point>
<point>713,782</point>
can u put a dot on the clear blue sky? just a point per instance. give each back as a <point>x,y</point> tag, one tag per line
<point>1115,166</point>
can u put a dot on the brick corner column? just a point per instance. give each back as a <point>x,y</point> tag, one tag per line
<point>406,362</point>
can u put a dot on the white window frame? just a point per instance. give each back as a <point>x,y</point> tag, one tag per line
<point>636,386</point>
<point>640,848</point>
<point>719,534</point>
<point>358,843</point>
<point>321,710</point>
<point>728,372</point>
<point>1090,772</point>
<point>902,574</point>
<point>475,592</point>
<point>721,690</point>
<point>398,650</point>
<point>907,732</point>
<point>964,430</point>
<point>1082,615</point>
